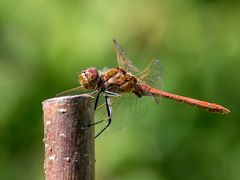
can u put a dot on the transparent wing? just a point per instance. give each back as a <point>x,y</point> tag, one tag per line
<point>74,91</point>
<point>127,109</point>
<point>123,61</point>
<point>152,75</point>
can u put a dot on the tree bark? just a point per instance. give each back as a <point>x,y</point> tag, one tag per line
<point>69,145</point>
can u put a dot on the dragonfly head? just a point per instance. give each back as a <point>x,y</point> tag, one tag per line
<point>89,78</point>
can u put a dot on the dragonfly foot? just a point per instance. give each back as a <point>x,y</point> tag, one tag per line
<point>89,125</point>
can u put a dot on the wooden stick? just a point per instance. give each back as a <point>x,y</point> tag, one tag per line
<point>69,145</point>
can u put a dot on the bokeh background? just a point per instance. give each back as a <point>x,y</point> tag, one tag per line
<point>45,44</point>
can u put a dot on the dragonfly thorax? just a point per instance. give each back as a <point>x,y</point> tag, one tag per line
<point>119,81</point>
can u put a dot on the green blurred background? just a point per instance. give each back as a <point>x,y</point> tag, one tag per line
<point>45,44</point>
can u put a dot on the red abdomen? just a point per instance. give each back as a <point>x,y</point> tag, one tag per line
<point>147,90</point>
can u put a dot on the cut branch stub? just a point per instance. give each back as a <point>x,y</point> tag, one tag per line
<point>69,145</point>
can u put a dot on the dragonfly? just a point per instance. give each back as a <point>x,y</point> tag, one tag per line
<point>117,82</point>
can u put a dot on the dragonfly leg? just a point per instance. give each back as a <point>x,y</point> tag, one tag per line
<point>96,102</point>
<point>110,94</point>
<point>93,124</point>
<point>95,107</point>
<point>109,112</point>
<point>94,92</point>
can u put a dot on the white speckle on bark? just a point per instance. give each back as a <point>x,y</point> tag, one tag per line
<point>67,159</point>
<point>62,135</point>
<point>48,122</point>
<point>53,157</point>
<point>61,110</point>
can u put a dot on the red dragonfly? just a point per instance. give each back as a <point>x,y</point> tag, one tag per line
<point>124,80</point>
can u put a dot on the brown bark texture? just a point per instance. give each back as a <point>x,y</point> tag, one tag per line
<point>69,145</point>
